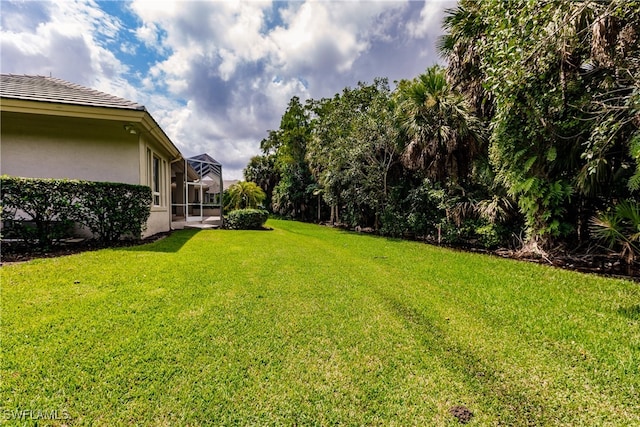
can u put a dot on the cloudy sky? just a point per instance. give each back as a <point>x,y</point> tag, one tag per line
<point>217,75</point>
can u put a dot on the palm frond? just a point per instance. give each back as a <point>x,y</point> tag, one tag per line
<point>629,212</point>
<point>606,227</point>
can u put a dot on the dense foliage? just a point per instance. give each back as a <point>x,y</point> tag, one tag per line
<point>113,210</point>
<point>38,211</point>
<point>246,219</point>
<point>42,211</point>
<point>530,134</point>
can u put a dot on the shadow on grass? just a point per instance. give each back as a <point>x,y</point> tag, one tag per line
<point>170,244</point>
<point>632,312</point>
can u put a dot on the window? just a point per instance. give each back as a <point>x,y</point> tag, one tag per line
<point>156,181</point>
<point>155,168</point>
<point>211,198</point>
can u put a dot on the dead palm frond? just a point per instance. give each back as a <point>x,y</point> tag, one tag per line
<point>496,209</point>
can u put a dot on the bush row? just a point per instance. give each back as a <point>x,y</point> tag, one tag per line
<point>41,211</point>
<point>246,219</point>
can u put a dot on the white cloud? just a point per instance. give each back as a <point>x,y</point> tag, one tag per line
<point>224,71</point>
<point>430,20</point>
<point>68,44</point>
<point>314,39</point>
<point>148,34</point>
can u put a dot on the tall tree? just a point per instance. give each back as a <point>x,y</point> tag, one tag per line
<point>354,149</point>
<point>262,170</point>
<point>461,47</point>
<point>442,135</point>
<point>546,66</point>
<point>293,195</point>
<point>326,154</point>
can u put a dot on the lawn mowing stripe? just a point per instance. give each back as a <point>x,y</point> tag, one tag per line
<point>604,385</point>
<point>310,325</point>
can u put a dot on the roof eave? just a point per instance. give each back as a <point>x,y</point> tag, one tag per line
<point>151,126</point>
<point>68,110</point>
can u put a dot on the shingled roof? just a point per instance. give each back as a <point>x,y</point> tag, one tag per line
<point>50,89</point>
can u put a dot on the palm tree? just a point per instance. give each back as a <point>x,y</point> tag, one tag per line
<point>443,135</point>
<point>460,47</point>
<point>243,195</point>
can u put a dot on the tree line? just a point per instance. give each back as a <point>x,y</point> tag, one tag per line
<point>528,137</point>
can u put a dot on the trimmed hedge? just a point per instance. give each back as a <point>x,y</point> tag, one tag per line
<point>47,204</point>
<point>41,211</point>
<point>113,210</point>
<point>246,219</point>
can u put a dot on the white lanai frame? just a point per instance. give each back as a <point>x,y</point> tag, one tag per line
<point>201,187</point>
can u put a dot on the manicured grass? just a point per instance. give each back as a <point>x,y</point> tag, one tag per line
<point>306,325</point>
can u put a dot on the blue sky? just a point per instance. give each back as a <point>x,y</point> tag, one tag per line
<point>125,46</point>
<point>217,75</point>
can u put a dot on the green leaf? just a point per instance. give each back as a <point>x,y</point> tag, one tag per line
<point>552,154</point>
<point>529,163</point>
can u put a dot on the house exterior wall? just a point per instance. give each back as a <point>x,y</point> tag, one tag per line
<point>43,146</point>
<point>160,217</point>
<point>38,146</point>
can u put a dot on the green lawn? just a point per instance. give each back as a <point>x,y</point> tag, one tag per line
<point>307,325</point>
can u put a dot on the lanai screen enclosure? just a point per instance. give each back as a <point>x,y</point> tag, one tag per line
<point>196,189</point>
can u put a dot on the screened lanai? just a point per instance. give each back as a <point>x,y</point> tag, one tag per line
<point>196,190</point>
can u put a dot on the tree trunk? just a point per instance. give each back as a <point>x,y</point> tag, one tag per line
<point>533,247</point>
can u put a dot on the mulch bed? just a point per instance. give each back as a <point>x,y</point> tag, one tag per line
<point>609,265</point>
<point>14,252</point>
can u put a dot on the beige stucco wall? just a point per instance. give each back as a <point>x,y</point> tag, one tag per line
<point>37,146</point>
<point>160,218</point>
<point>158,222</point>
<point>40,146</point>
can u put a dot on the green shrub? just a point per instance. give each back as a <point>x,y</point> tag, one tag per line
<point>394,222</point>
<point>246,219</point>
<point>113,210</point>
<point>41,211</point>
<point>38,211</point>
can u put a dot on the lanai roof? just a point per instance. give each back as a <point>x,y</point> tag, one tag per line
<point>205,165</point>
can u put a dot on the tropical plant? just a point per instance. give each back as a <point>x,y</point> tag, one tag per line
<point>620,228</point>
<point>461,46</point>
<point>560,91</point>
<point>442,135</point>
<point>243,195</point>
